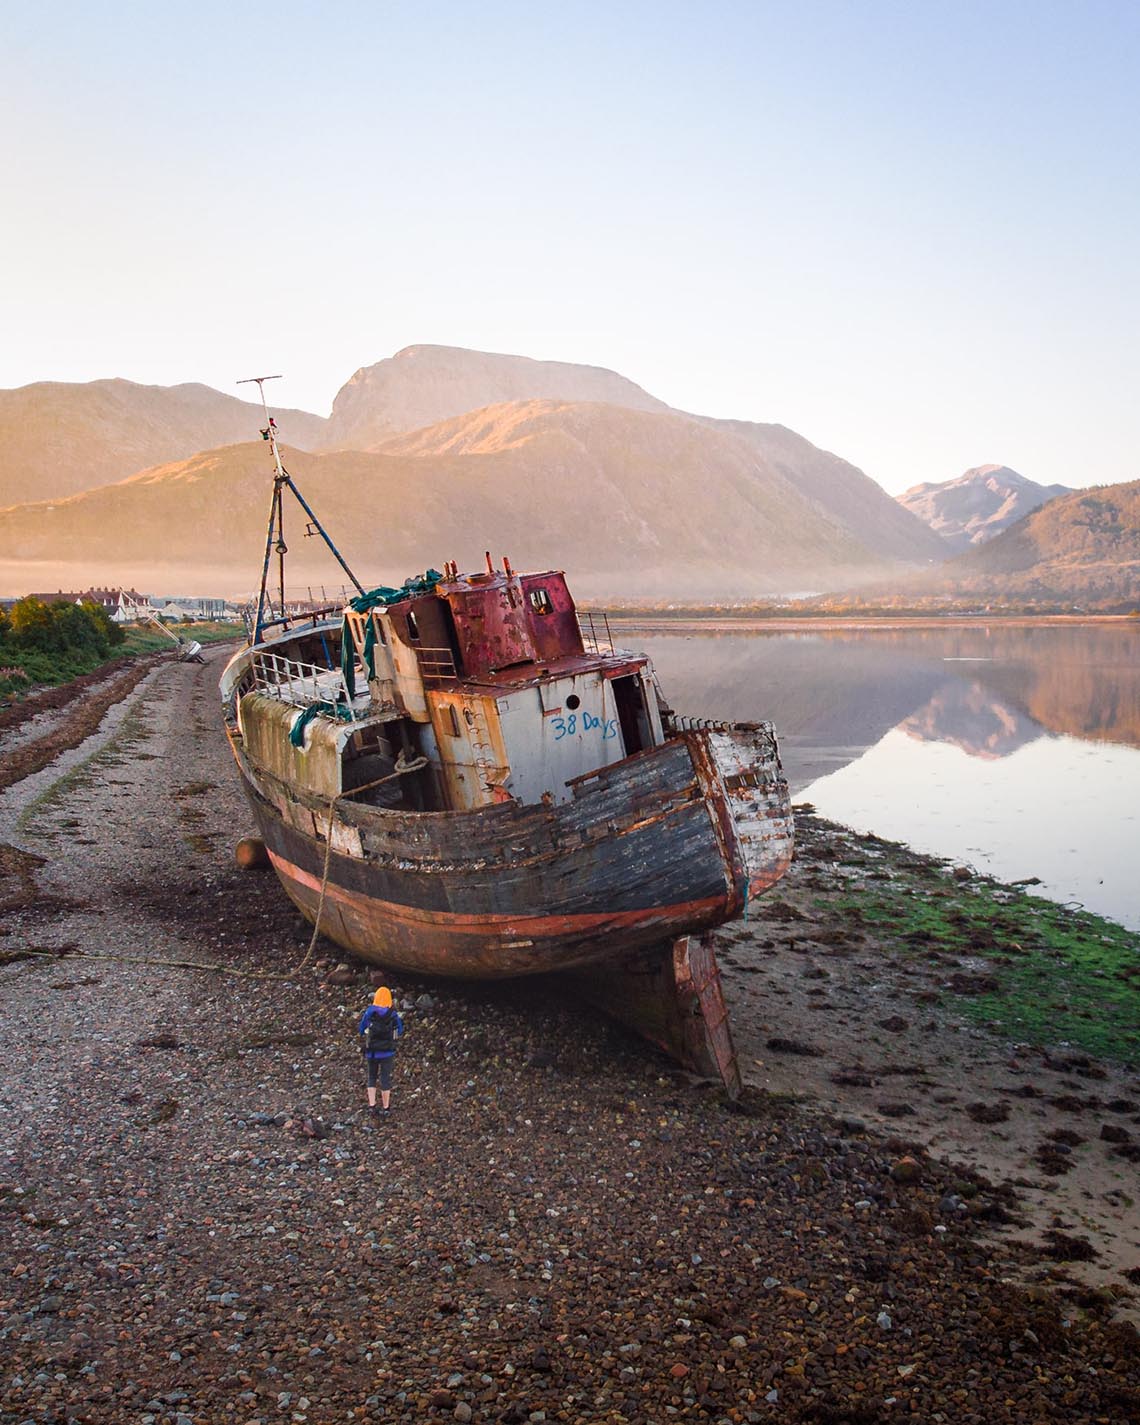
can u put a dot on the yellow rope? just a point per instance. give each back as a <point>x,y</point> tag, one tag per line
<point>402,770</point>
<point>142,960</point>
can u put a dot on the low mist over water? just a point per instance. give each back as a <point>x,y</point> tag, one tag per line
<point>1013,748</point>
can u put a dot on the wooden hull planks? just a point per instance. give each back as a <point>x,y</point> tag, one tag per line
<point>646,851</point>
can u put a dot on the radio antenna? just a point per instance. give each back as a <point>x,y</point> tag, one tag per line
<point>282,478</point>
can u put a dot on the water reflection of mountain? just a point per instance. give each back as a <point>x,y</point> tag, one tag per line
<point>834,694</point>
<point>968,716</point>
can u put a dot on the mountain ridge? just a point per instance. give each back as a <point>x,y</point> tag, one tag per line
<point>58,437</point>
<point>422,385</point>
<point>604,491</point>
<point>1081,546</point>
<point>977,505</point>
<point>645,500</point>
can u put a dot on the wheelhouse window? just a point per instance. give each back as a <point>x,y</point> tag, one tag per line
<point>540,601</point>
<point>413,627</point>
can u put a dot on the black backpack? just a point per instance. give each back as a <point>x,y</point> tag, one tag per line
<point>380,1036</point>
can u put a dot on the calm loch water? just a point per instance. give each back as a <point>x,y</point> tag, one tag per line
<point>1015,749</point>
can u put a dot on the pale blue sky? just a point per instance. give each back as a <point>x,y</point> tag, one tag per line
<point>907,230</point>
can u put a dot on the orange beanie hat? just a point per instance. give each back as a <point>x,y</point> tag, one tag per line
<point>383,997</point>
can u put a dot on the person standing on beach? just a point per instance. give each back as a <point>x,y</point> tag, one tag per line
<point>380,1027</point>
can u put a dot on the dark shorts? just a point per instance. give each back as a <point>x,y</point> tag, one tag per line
<point>382,1069</point>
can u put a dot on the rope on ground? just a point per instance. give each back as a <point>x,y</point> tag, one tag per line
<point>145,960</point>
<point>403,769</point>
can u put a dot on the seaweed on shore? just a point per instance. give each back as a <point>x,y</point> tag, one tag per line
<point>1022,966</point>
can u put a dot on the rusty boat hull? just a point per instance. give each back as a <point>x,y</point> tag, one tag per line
<point>667,843</point>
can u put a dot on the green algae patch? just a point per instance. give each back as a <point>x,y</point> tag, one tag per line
<point>1026,968</point>
<point>1020,966</point>
<point>1080,984</point>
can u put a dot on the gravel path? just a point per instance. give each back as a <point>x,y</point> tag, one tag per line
<point>200,1225</point>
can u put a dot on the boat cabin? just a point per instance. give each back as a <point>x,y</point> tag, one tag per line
<point>488,676</point>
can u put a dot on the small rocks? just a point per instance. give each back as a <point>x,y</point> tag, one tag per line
<point>304,1126</point>
<point>906,1170</point>
<point>1054,1159</point>
<point>978,983</point>
<point>552,1225</point>
<point>1063,1247</point>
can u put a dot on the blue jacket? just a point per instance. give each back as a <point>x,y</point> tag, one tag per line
<point>375,1011</point>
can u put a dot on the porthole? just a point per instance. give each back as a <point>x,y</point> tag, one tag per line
<point>573,701</point>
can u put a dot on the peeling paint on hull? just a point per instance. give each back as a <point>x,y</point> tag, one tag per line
<point>481,947</point>
<point>646,852</point>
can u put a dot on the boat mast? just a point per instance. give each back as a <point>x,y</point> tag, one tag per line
<point>282,478</point>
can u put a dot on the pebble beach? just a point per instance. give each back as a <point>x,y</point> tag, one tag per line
<point>199,1223</point>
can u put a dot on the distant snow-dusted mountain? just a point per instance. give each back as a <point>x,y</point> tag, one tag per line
<point>977,505</point>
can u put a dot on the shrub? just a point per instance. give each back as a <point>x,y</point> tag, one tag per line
<point>50,643</point>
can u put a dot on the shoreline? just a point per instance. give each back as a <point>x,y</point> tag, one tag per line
<point>561,1220</point>
<point>834,623</point>
<point>920,998</point>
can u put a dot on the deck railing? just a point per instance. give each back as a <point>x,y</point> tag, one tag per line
<point>681,723</point>
<point>596,635</point>
<point>295,682</point>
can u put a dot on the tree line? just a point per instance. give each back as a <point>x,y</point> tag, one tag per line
<point>50,643</point>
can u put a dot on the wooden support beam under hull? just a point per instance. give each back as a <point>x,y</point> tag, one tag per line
<point>670,994</point>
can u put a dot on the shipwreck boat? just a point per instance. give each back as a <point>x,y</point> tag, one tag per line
<point>463,777</point>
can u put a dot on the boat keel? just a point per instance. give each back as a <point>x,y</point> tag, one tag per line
<point>671,994</point>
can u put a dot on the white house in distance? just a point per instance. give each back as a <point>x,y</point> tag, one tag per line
<point>129,606</point>
<point>193,606</point>
<point>121,605</point>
